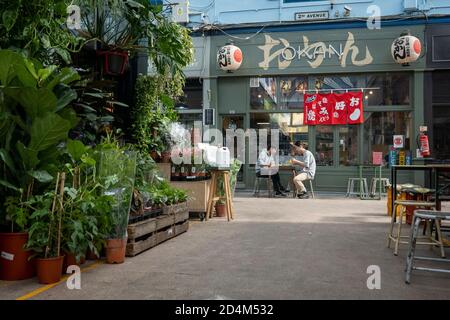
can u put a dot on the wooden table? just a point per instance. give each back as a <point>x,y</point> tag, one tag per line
<point>214,197</point>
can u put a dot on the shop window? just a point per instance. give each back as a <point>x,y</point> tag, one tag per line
<point>337,82</point>
<point>324,146</point>
<point>263,94</point>
<point>187,119</point>
<point>379,130</point>
<point>348,145</point>
<point>391,89</point>
<point>441,139</point>
<point>291,92</point>
<point>192,98</point>
<point>290,125</point>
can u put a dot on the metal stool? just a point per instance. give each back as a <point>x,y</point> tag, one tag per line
<point>364,190</point>
<point>397,236</point>
<point>294,192</point>
<point>419,216</point>
<point>256,190</point>
<point>384,184</point>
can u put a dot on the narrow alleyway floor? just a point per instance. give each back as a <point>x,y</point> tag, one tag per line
<point>274,249</point>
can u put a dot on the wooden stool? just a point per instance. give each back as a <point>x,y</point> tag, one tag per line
<point>397,236</point>
<point>214,197</point>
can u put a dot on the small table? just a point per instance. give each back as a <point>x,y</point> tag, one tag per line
<point>290,168</point>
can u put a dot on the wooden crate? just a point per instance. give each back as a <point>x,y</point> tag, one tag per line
<point>146,234</point>
<point>176,208</point>
<point>197,191</point>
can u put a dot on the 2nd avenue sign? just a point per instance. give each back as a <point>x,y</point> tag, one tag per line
<point>308,16</point>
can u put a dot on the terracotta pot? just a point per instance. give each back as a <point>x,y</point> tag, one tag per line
<point>154,155</point>
<point>49,270</point>
<point>14,259</point>
<point>70,260</point>
<point>165,157</point>
<point>91,255</point>
<point>115,250</point>
<point>220,210</point>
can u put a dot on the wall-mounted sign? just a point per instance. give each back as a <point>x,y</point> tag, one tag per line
<point>229,58</point>
<point>315,53</point>
<point>333,109</point>
<point>399,141</point>
<point>406,49</point>
<point>309,16</point>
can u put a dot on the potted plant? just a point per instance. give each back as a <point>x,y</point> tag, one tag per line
<point>220,208</point>
<point>34,102</point>
<point>15,261</point>
<point>117,171</point>
<point>45,232</point>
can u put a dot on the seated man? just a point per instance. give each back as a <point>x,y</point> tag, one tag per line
<point>308,168</point>
<point>267,166</point>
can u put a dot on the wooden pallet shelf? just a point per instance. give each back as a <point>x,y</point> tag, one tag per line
<point>146,234</point>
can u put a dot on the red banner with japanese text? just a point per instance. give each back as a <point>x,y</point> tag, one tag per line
<point>339,109</point>
<point>310,113</point>
<point>333,109</point>
<point>355,107</point>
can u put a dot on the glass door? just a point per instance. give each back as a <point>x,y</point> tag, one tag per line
<point>233,123</point>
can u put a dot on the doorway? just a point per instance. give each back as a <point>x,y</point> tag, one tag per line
<point>235,122</point>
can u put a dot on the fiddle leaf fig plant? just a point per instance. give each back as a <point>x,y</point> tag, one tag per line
<point>35,119</point>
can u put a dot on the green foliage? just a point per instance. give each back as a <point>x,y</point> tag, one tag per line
<point>116,173</point>
<point>123,25</point>
<point>35,119</point>
<point>153,112</point>
<point>38,28</point>
<point>97,111</point>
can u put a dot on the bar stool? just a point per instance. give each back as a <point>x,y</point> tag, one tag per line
<point>397,236</point>
<point>364,190</point>
<point>257,187</point>
<point>384,184</point>
<point>429,216</point>
<point>294,188</point>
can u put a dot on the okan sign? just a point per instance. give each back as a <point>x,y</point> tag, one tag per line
<point>315,53</point>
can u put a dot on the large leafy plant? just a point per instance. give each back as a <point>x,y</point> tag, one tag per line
<point>137,25</point>
<point>34,120</point>
<point>154,112</point>
<point>38,28</point>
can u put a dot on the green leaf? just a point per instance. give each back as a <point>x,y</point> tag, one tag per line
<point>39,213</point>
<point>29,157</point>
<point>36,102</point>
<point>8,185</point>
<point>9,18</point>
<point>43,74</point>
<point>65,76</point>
<point>41,175</point>
<point>88,160</point>
<point>48,131</point>
<point>120,104</point>
<point>9,60</point>
<point>76,149</point>
<point>69,115</point>
<point>5,157</point>
<point>65,98</point>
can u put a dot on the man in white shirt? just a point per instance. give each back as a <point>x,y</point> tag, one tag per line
<point>267,165</point>
<point>308,168</point>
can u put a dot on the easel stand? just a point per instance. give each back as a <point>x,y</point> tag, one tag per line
<point>214,197</point>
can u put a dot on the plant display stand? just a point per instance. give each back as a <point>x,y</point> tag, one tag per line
<point>164,170</point>
<point>146,234</point>
<point>197,192</point>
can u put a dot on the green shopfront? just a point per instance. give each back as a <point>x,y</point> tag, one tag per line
<point>281,65</point>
